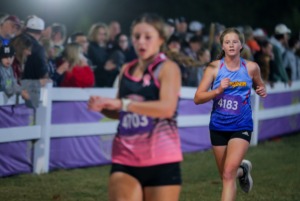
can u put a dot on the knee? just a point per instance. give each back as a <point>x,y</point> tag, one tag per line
<point>229,174</point>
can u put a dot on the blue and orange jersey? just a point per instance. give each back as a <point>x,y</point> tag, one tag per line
<point>232,109</point>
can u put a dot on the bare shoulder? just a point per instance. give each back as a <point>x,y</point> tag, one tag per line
<point>213,66</point>
<point>170,72</point>
<point>170,67</point>
<point>169,64</point>
<point>251,65</point>
<point>252,68</point>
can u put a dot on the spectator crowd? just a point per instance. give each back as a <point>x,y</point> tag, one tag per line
<point>30,50</point>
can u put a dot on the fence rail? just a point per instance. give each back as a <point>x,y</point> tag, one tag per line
<point>44,130</point>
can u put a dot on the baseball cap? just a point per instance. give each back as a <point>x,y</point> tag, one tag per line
<point>195,26</point>
<point>282,29</point>
<point>170,22</point>
<point>35,23</point>
<point>174,38</point>
<point>181,19</point>
<point>258,32</point>
<point>195,39</point>
<point>6,51</point>
<point>14,19</point>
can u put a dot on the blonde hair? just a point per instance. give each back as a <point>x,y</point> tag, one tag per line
<point>47,44</point>
<point>72,53</point>
<point>227,31</point>
<point>92,35</point>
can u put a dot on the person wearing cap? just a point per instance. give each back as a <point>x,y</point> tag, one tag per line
<point>259,34</point>
<point>58,38</point>
<point>195,44</point>
<point>36,66</point>
<point>9,27</point>
<point>280,43</point>
<point>196,27</point>
<point>8,82</point>
<point>170,27</point>
<point>181,31</point>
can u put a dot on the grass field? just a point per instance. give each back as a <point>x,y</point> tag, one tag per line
<point>276,173</point>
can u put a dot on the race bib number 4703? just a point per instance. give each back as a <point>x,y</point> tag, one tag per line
<point>131,123</point>
<point>229,104</point>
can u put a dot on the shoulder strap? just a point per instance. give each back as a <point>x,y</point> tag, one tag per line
<point>243,62</point>
<point>222,63</point>
<point>155,67</point>
<point>157,70</point>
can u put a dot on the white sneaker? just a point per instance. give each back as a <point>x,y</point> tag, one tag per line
<point>246,182</point>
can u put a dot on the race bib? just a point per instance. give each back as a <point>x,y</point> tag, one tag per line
<point>131,123</point>
<point>228,103</point>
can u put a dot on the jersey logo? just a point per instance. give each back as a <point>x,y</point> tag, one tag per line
<point>245,133</point>
<point>238,84</point>
<point>146,80</point>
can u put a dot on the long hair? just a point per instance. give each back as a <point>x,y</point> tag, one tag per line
<point>21,43</point>
<point>117,41</point>
<point>227,31</point>
<point>72,54</point>
<point>59,28</point>
<point>92,35</point>
<point>154,20</point>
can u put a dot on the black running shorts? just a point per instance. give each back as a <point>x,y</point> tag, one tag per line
<point>157,175</point>
<point>221,138</point>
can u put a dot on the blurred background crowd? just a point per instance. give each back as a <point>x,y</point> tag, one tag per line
<point>33,50</point>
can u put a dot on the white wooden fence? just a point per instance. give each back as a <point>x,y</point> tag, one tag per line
<point>43,131</point>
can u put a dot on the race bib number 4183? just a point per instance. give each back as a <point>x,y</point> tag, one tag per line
<point>229,104</point>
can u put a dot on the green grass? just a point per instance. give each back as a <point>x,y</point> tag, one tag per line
<point>276,173</point>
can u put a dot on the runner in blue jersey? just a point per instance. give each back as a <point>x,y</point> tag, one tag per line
<point>228,82</point>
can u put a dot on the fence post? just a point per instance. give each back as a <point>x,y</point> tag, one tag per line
<point>43,114</point>
<point>255,111</point>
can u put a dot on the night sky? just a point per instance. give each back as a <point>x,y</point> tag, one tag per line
<point>78,15</point>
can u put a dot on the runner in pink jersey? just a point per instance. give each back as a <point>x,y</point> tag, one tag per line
<point>146,152</point>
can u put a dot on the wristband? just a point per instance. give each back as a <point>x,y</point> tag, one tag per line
<point>125,103</point>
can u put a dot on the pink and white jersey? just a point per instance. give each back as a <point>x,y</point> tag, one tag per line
<point>142,140</point>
